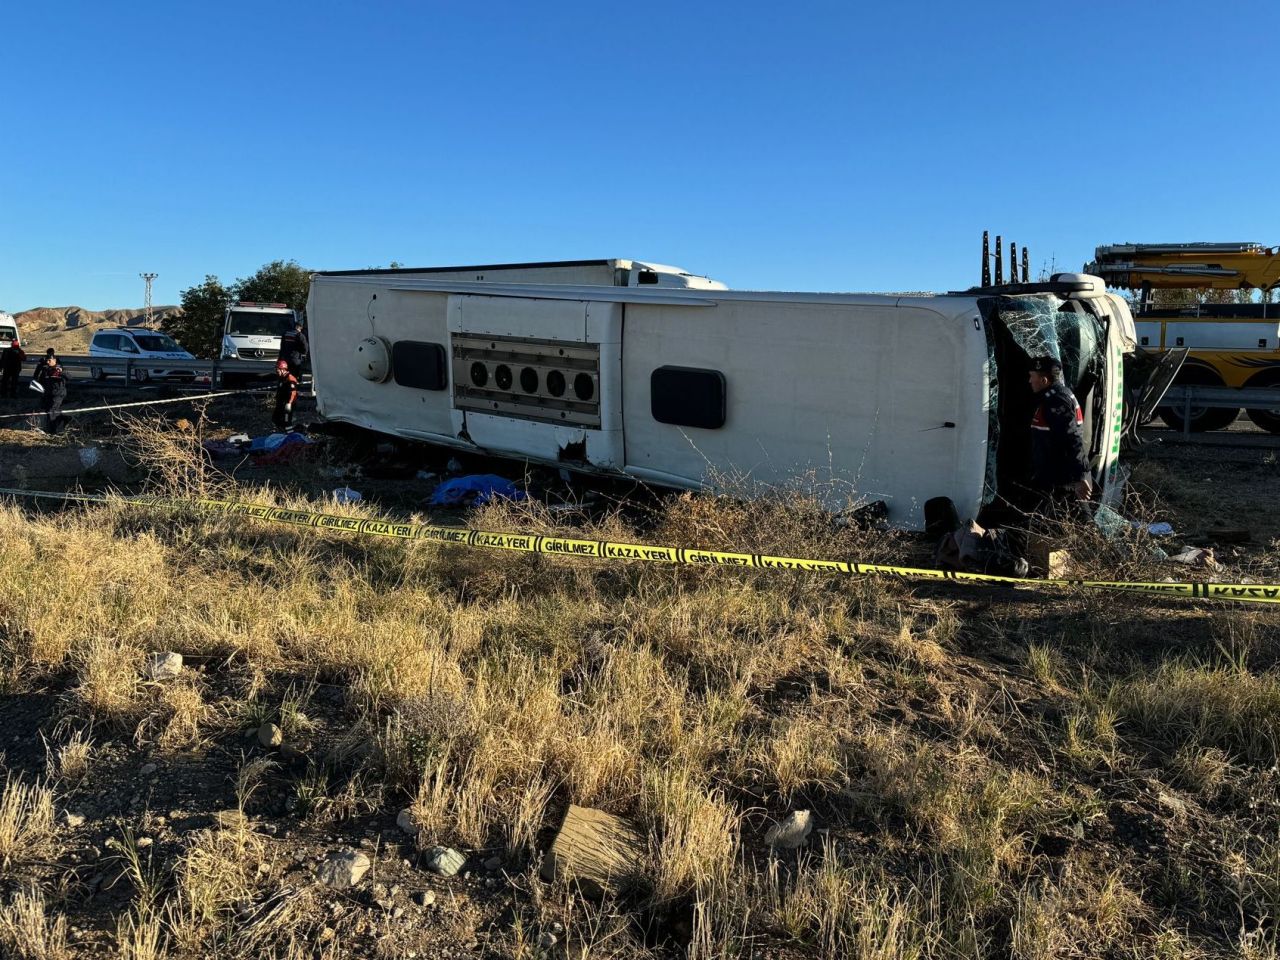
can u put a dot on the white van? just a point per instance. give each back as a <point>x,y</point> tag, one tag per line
<point>8,330</point>
<point>155,355</point>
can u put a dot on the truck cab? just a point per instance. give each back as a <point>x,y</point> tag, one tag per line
<point>252,331</point>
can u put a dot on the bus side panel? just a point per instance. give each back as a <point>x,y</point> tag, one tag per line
<point>861,402</point>
<point>340,316</point>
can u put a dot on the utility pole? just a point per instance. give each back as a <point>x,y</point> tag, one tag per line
<point>148,277</point>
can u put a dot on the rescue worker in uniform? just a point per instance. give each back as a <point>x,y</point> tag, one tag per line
<point>1060,473</point>
<point>54,384</point>
<point>294,348</point>
<point>11,359</point>
<point>286,395</point>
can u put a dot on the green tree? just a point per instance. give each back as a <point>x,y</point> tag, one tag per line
<point>199,326</point>
<point>279,281</point>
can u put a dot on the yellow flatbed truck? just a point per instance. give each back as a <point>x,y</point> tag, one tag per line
<point>1230,344</point>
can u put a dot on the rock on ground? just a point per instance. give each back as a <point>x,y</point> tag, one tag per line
<point>343,868</point>
<point>445,861</point>
<point>269,735</point>
<point>792,832</point>
<point>406,822</point>
<point>164,666</point>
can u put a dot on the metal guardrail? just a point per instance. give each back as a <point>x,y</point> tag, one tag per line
<point>1257,397</point>
<point>1223,398</point>
<point>131,370</point>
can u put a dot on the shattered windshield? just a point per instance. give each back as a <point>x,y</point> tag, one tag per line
<point>253,324</point>
<point>1018,329</point>
<point>1043,325</point>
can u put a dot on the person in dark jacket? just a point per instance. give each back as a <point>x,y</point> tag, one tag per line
<point>11,359</point>
<point>286,395</point>
<point>54,384</point>
<point>294,348</point>
<point>1060,472</point>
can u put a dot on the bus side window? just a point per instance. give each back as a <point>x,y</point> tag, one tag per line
<point>419,365</point>
<point>688,397</point>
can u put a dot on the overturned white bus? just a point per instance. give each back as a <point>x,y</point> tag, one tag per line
<point>893,398</point>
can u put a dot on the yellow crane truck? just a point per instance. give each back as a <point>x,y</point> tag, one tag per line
<point>1229,344</point>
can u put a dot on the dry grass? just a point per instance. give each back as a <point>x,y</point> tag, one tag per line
<point>1182,704</point>
<point>964,792</point>
<point>218,868</point>
<point>68,762</point>
<point>26,821</point>
<point>27,932</point>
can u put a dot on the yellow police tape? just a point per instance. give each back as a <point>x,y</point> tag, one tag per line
<point>610,550</point>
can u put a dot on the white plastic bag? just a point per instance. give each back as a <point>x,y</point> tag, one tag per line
<point>347,495</point>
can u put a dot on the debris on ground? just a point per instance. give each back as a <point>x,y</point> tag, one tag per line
<point>1114,526</point>
<point>220,449</point>
<point>289,447</point>
<point>864,517</point>
<point>347,495</point>
<point>597,850</point>
<point>475,490</point>
<point>1199,557</point>
<point>975,549</point>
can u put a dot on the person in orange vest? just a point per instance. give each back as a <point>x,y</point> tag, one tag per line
<point>286,396</point>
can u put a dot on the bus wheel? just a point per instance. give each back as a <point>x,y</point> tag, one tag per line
<point>1268,419</point>
<point>1202,418</point>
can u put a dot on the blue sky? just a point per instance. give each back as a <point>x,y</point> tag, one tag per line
<point>810,146</point>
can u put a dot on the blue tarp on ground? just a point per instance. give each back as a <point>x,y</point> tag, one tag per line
<point>274,441</point>
<point>476,489</point>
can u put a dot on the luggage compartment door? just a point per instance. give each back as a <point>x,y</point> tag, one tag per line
<point>538,378</point>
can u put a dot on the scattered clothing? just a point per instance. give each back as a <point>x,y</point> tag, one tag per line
<point>273,441</point>
<point>290,447</point>
<point>973,549</point>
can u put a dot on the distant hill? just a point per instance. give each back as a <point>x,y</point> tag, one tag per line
<point>69,329</point>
